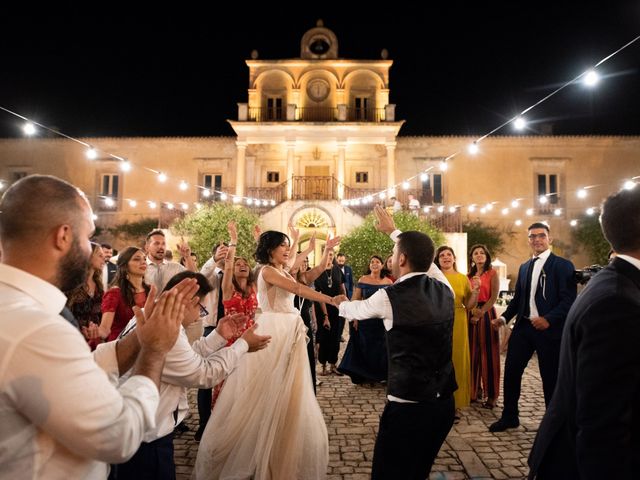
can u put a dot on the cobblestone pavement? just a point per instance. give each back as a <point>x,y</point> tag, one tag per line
<point>352,413</point>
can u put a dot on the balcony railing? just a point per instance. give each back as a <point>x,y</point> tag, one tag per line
<point>365,114</point>
<point>293,113</point>
<point>258,114</point>
<point>317,114</point>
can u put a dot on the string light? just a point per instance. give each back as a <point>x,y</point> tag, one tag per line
<point>582,193</point>
<point>589,77</point>
<point>629,185</point>
<point>92,153</point>
<point>29,129</point>
<point>519,123</point>
<point>153,205</point>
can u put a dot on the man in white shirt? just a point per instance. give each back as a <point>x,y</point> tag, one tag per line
<point>396,205</point>
<point>159,270</point>
<point>417,311</point>
<point>204,364</point>
<point>213,270</point>
<point>60,416</point>
<point>414,205</point>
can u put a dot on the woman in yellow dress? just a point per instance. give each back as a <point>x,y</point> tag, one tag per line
<point>466,298</point>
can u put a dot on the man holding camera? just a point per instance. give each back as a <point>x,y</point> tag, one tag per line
<point>545,291</point>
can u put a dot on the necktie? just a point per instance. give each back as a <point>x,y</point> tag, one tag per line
<point>527,287</point>
<point>68,316</point>
<point>220,305</point>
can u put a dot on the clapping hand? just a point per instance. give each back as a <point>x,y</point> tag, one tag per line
<point>184,248</point>
<point>233,231</point>
<point>229,325</point>
<point>332,242</point>
<point>158,326</point>
<point>256,342</point>
<point>384,221</point>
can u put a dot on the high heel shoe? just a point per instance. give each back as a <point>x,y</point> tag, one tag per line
<point>324,369</point>
<point>334,370</point>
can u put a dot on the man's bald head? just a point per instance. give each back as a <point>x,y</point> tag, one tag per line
<point>36,204</point>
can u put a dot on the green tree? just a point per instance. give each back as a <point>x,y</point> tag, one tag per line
<point>489,235</point>
<point>365,240</point>
<point>208,226</point>
<point>588,235</point>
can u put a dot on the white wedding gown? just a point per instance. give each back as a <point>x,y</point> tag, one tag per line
<point>267,424</point>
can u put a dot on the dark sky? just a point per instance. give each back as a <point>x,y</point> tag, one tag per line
<point>457,69</point>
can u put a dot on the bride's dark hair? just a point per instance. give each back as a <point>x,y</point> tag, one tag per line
<point>268,241</point>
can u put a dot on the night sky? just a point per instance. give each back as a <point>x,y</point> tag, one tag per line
<point>458,70</point>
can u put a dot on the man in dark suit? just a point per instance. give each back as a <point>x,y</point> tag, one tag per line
<point>592,426</point>
<point>110,268</point>
<point>545,290</point>
<point>347,272</point>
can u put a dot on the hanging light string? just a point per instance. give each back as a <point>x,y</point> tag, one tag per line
<point>92,153</point>
<point>473,147</point>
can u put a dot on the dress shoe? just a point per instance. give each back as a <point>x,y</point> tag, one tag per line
<point>502,424</point>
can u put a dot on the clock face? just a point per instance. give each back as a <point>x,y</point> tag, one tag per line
<point>318,89</point>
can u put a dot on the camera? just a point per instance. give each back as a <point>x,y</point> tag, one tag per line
<point>584,275</point>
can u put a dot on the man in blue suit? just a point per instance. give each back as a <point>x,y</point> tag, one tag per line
<point>346,270</point>
<point>545,291</point>
<point>592,426</point>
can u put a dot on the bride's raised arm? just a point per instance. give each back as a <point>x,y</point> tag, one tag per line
<point>273,277</point>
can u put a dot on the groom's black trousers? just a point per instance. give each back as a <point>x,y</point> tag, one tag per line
<point>409,438</point>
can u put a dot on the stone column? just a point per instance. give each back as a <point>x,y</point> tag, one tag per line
<point>241,168</point>
<point>291,150</point>
<point>342,148</point>
<point>391,164</point>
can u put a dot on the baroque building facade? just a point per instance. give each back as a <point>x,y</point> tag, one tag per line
<point>317,145</point>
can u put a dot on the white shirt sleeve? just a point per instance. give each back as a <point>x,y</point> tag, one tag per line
<point>376,306</point>
<point>203,365</point>
<point>61,389</point>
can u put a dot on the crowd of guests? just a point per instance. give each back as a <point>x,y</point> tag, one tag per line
<point>434,364</point>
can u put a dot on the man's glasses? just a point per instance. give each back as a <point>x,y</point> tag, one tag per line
<point>203,311</point>
<point>533,236</point>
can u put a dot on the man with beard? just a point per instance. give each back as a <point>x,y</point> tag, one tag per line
<point>60,416</point>
<point>159,270</point>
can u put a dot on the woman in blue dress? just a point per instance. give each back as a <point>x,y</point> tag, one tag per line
<point>365,359</point>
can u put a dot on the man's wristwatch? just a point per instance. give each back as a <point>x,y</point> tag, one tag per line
<point>232,245</point>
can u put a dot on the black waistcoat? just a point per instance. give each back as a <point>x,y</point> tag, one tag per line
<point>420,342</point>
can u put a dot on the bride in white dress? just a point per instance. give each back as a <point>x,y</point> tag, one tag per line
<point>267,423</point>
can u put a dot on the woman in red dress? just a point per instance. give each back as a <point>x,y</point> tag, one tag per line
<point>484,339</point>
<point>238,293</point>
<point>127,290</point>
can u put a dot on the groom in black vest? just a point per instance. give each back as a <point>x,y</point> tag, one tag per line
<point>417,311</point>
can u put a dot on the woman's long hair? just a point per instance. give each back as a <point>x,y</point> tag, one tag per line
<point>267,243</point>
<point>441,249</point>
<point>121,279</point>
<point>487,264</point>
<point>250,279</point>
<point>77,293</point>
<point>383,270</point>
